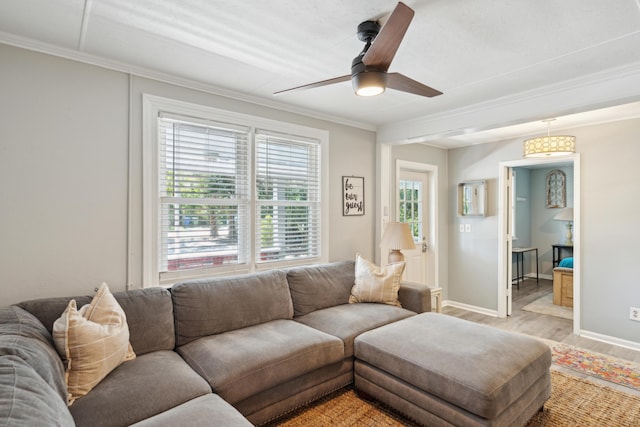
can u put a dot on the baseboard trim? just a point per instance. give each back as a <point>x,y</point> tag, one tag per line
<point>541,276</point>
<point>632,345</point>
<point>475,309</point>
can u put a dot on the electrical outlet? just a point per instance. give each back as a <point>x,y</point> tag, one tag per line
<point>634,314</point>
<point>467,228</point>
<point>462,228</point>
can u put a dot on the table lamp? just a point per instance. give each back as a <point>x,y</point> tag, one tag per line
<point>567,216</point>
<point>397,236</point>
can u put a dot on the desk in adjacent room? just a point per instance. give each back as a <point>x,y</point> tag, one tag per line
<point>519,253</point>
<point>558,250</point>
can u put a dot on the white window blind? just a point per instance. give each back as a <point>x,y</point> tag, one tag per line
<point>288,197</point>
<point>204,193</point>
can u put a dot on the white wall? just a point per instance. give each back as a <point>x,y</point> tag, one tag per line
<point>71,168</point>
<point>610,231</point>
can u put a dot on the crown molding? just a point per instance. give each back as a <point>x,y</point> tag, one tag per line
<point>611,87</point>
<point>99,61</point>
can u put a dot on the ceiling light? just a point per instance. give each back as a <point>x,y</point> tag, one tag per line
<point>369,83</point>
<point>546,146</point>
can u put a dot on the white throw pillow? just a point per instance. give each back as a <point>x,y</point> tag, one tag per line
<point>93,341</point>
<point>376,284</point>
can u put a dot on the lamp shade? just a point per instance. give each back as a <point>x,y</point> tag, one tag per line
<point>397,235</point>
<point>546,146</point>
<point>565,215</point>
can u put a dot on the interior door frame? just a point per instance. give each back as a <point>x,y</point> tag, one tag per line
<point>503,244</point>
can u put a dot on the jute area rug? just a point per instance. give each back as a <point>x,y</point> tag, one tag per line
<point>575,401</point>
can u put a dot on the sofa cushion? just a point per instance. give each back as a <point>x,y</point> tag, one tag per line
<point>149,316</point>
<point>93,341</point>
<point>320,286</point>
<point>347,321</point>
<point>17,321</point>
<point>243,362</point>
<point>146,386</point>
<point>42,357</point>
<point>201,411</point>
<point>211,306</point>
<point>23,335</point>
<point>376,284</point>
<point>26,399</point>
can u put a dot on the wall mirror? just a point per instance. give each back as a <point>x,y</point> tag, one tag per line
<point>472,198</point>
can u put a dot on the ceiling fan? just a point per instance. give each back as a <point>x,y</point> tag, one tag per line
<point>369,75</point>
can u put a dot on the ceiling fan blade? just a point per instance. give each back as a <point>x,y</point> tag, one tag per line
<point>401,82</point>
<point>387,42</point>
<point>317,84</point>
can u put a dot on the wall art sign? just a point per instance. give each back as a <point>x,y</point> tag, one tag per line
<point>352,195</point>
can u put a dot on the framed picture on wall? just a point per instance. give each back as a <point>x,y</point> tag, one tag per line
<point>556,189</point>
<point>352,195</point>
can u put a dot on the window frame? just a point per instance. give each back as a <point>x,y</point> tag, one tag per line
<point>151,231</point>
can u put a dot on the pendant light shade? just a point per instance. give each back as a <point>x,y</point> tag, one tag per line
<point>550,145</point>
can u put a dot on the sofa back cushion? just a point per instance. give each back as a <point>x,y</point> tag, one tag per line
<point>26,399</point>
<point>320,286</point>
<point>212,306</point>
<point>23,336</point>
<point>149,316</point>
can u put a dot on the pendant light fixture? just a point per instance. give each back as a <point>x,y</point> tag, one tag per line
<point>546,146</point>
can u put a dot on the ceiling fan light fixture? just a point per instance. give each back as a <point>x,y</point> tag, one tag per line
<point>369,83</point>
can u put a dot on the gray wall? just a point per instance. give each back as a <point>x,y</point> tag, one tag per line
<point>610,231</point>
<point>71,174</point>
<point>473,256</point>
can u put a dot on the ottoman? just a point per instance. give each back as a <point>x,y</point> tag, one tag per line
<point>443,371</point>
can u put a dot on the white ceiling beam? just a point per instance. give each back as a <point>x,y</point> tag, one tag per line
<point>613,87</point>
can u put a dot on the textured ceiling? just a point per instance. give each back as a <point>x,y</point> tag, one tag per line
<point>472,50</point>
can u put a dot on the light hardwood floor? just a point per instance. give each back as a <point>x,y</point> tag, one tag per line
<point>540,325</point>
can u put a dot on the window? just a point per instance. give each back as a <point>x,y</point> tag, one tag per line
<point>410,207</point>
<point>288,208</point>
<point>204,193</point>
<point>228,193</point>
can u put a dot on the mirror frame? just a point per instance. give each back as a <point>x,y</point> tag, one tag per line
<point>468,205</point>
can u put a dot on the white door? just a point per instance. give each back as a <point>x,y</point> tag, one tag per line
<point>510,227</point>
<point>413,208</point>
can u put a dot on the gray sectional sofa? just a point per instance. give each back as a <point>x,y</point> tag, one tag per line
<point>225,351</point>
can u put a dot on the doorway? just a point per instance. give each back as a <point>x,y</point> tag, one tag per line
<point>415,204</point>
<point>508,200</point>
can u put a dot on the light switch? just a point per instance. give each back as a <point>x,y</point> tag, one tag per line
<point>462,228</point>
<point>467,228</point>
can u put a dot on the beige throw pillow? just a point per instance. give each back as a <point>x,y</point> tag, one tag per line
<point>93,341</point>
<point>376,284</point>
